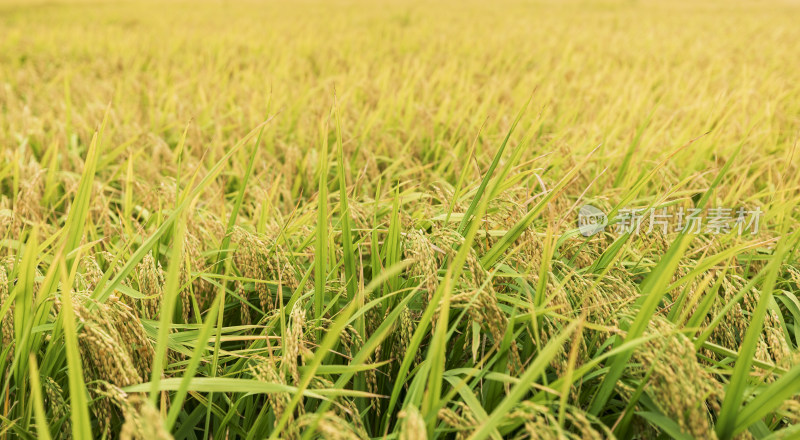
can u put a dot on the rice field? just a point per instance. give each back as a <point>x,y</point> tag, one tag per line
<point>399,219</point>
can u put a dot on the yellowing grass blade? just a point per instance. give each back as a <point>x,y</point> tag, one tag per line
<point>42,428</point>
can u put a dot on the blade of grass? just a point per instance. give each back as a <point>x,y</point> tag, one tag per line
<point>637,138</point>
<point>454,270</point>
<point>330,339</point>
<point>769,399</point>
<point>321,243</point>
<point>168,301</point>
<point>735,392</point>
<point>463,175</point>
<point>436,356</point>
<point>344,213</point>
<point>488,176</point>
<point>370,345</point>
<point>24,316</point>
<point>176,404</point>
<point>76,219</point>
<point>521,388</point>
<point>42,428</point>
<point>78,396</point>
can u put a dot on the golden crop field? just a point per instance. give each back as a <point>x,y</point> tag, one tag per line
<point>399,219</point>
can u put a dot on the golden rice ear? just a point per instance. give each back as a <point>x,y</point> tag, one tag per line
<point>264,369</point>
<point>142,421</point>
<point>191,286</point>
<point>132,335</point>
<point>91,274</point>
<point>102,346</point>
<point>677,380</point>
<point>329,426</point>
<point>27,208</point>
<point>264,260</point>
<point>150,277</point>
<point>461,418</point>
<point>413,425</point>
<point>295,343</point>
<point>112,342</point>
<point>420,250</point>
<point>114,350</point>
<point>483,309</point>
<point>58,404</point>
<point>407,326</point>
<point>7,323</point>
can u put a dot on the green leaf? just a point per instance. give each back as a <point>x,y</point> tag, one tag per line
<point>667,425</point>
<point>79,403</point>
<point>321,242</point>
<point>727,422</point>
<point>769,399</point>
<point>488,176</point>
<point>38,402</point>
<point>521,388</point>
<point>168,301</point>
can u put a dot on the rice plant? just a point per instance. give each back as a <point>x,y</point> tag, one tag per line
<point>399,220</point>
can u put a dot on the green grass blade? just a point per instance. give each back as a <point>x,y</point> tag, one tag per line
<point>488,176</point>
<point>76,219</point>
<point>79,403</point>
<point>454,270</point>
<point>42,428</point>
<point>168,302</point>
<point>769,399</point>
<point>522,387</point>
<point>667,425</point>
<point>735,392</point>
<point>344,212</point>
<point>24,316</point>
<point>321,243</point>
<point>436,357</point>
<point>176,403</point>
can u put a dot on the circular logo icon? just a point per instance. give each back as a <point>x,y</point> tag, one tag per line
<point>591,220</point>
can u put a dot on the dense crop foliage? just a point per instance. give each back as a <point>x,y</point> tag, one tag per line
<point>349,219</point>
